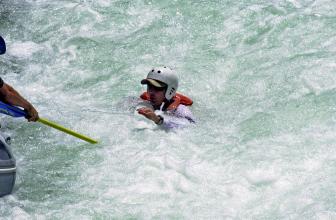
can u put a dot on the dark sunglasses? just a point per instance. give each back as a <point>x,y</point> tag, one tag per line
<point>151,87</point>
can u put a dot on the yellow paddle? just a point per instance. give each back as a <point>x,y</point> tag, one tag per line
<point>66,130</point>
<point>17,112</point>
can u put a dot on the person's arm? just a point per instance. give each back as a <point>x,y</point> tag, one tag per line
<point>149,113</point>
<point>9,95</point>
<point>181,117</point>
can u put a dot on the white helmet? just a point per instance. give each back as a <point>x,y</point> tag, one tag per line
<point>159,75</point>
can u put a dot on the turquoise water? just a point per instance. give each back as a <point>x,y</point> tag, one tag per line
<point>262,77</point>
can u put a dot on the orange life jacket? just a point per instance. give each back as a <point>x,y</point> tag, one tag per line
<point>177,100</point>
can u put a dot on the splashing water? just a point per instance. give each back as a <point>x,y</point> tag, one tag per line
<point>262,77</point>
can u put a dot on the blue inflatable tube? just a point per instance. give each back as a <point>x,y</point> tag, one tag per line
<point>11,110</point>
<point>2,46</point>
<point>7,168</point>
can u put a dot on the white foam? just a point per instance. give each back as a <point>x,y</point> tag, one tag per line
<point>23,50</point>
<point>262,176</point>
<point>312,164</point>
<point>20,214</point>
<point>295,3</point>
<point>283,185</point>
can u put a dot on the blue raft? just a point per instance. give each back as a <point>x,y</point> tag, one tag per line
<point>7,167</point>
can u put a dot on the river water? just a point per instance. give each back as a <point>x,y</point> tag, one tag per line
<point>262,77</point>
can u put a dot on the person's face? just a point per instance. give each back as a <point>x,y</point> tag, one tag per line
<point>156,95</point>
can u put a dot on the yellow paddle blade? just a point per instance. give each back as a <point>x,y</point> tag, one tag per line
<point>68,131</point>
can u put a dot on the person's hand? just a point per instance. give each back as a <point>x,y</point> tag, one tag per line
<point>32,114</point>
<point>148,113</point>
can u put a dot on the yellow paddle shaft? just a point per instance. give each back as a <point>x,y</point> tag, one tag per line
<point>68,131</point>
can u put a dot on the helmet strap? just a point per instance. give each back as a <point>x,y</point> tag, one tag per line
<point>162,105</point>
<point>166,104</point>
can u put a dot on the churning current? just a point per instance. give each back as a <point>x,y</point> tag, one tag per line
<point>262,78</point>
